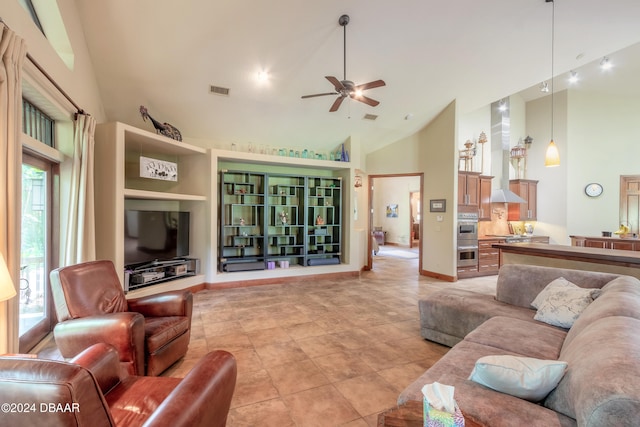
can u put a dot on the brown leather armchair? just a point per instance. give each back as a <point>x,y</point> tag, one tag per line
<point>150,333</point>
<point>94,391</point>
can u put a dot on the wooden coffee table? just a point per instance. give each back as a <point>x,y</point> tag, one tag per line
<point>410,415</point>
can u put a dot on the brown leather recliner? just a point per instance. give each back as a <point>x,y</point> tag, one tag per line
<point>149,332</point>
<point>94,391</point>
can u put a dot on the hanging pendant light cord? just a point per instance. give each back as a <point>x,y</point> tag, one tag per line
<point>553,21</point>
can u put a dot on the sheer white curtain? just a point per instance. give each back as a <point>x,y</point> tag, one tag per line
<point>80,240</point>
<point>13,51</point>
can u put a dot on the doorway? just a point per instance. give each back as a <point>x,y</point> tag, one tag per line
<point>414,220</point>
<point>390,212</point>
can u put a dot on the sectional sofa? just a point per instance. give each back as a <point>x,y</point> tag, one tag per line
<point>601,384</point>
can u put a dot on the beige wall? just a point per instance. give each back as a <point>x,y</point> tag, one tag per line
<point>431,151</point>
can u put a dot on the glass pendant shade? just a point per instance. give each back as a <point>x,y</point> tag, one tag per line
<point>552,156</point>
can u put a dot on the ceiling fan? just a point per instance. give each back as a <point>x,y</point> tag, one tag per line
<point>346,88</point>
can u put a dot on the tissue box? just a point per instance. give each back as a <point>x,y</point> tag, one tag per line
<point>436,418</point>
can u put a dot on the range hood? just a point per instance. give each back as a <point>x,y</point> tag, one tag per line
<point>500,124</point>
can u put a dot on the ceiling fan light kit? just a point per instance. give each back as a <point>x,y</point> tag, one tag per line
<point>346,88</point>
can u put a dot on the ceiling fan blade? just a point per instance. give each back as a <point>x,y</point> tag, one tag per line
<point>336,104</point>
<point>370,85</point>
<point>368,101</point>
<point>318,94</point>
<point>335,82</point>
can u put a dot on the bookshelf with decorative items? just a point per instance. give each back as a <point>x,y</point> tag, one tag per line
<point>273,220</point>
<point>285,219</point>
<point>242,219</point>
<point>324,222</point>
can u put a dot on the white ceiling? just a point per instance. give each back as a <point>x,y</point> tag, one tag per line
<point>165,54</point>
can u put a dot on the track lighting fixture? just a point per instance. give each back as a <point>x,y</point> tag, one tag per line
<point>544,87</point>
<point>573,76</point>
<point>605,64</point>
<point>502,106</point>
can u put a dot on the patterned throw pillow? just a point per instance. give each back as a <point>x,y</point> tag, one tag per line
<point>561,302</point>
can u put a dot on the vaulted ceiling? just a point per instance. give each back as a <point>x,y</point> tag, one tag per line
<point>165,54</point>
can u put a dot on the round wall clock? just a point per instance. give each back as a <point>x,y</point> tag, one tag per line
<point>593,190</point>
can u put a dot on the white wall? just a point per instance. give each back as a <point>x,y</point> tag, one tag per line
<point>604,134</point>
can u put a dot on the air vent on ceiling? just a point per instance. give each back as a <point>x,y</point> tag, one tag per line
<point>370,117</point>
<point>219,90</point>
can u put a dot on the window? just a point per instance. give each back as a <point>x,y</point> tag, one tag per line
<point>37,124</point>
<point>47,17</point>
<point>28,5</point>
<point>36,318</point>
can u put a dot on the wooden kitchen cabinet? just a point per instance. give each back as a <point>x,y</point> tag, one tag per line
<point>606,243</point>
<point>528,190</point>
<point>469,188</point>
<point>484,212</point>
<point>488,256</point>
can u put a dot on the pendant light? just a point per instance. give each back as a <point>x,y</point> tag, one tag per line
<point>552,156</point>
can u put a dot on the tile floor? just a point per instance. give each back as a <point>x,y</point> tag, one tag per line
<point>324,352</point>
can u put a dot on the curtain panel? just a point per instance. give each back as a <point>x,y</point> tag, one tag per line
<point>80,240</point>
<point>13,51</point>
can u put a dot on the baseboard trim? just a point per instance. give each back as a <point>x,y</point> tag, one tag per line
<point>439,276</point>
<point>279,280</point>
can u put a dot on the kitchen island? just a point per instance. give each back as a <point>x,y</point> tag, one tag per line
<point>576,257</point>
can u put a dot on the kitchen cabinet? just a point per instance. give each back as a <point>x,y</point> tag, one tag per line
<point>468,188</point>
<point>606,243</point>
<point>488,256</point>
<point>528,190</point>
<point>484,212</point>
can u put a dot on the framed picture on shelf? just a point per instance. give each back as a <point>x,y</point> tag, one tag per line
<point>437,205</point>
<point>392,211</point>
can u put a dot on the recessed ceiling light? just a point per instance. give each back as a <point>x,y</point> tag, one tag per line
<point>263,76</point>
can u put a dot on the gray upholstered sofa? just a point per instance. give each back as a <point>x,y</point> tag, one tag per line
<point>601,386</point>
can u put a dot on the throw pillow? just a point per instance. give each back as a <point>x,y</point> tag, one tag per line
<point>524,377</point>
<point>558,283</point>
<point>561,302</point>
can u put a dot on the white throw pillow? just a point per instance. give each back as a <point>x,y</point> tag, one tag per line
<point>561,302</point>
<point>556,284</point>
<point>524,377</point>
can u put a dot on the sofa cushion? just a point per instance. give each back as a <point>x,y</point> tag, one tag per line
<point>487,406</point>
<point>620,297</point>
<point>520,284</point>
<point>532,339</point>
<point>447,316</point>
<point>601,384</point>
<point>524,377</point>
<point>561,302</point>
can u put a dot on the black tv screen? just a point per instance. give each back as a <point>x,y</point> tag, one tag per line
<point>155,235</point>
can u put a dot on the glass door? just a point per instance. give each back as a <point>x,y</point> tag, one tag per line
<point>35,307</point>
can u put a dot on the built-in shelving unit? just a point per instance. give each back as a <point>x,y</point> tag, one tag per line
<point>285,219</point>
<point>242,219</point>
<point>119,186</point>
<point>293,219</point>
<point>324,222</point>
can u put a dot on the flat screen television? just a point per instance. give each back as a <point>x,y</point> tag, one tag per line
<point>155,236</point>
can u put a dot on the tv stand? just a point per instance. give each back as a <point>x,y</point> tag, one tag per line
<point>158,272</point>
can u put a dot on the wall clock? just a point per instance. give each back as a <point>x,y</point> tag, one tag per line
<point>593,190</point>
